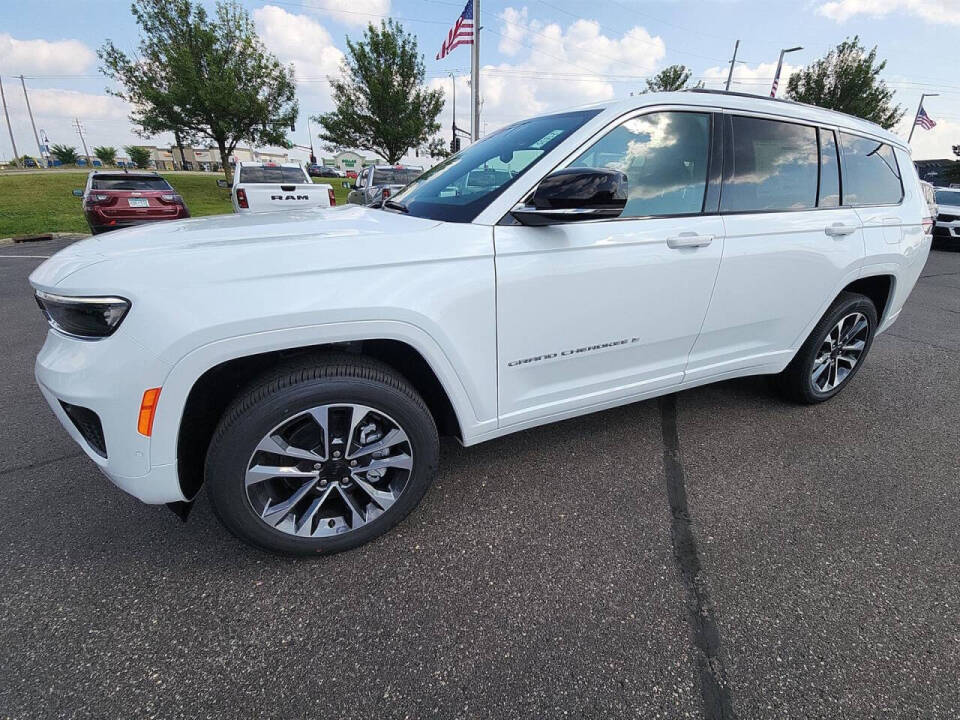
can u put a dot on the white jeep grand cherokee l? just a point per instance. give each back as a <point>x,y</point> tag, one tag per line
<point>301,365</point>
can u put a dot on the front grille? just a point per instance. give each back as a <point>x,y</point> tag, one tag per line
<point>940,231</point>
<point>947,218</point>
<point>88,423</point>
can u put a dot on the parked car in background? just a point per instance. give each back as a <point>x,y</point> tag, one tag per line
<point>113,200</point>
<point>268,187</point>
<point>303,365</point>
<point>352,174</point>
<point>947,228</point>
<point>378,182</point>
<point>323,171</point>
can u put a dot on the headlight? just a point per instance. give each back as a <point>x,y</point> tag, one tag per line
<point>88,318</point>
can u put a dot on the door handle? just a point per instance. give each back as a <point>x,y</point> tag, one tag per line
<point>689,240</point>
<point>839,229</point>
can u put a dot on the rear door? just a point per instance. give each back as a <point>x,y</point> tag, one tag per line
<point>789,244</point>
<point>593,313</point>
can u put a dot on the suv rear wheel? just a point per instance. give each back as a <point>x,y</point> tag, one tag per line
<point>834,351</point>
<point>322,457</point>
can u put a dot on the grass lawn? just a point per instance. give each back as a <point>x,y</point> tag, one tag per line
<point>41,201</point>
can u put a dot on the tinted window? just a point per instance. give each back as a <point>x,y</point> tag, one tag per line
<point>664,156</point>
<point>829,171</point>
<point>128,182</point>
<point>948,197</point>
<point>462,185</point>
<point>395,176</point>
<point>774,166</point>
<point>263,174</point>
<point>870,172</point>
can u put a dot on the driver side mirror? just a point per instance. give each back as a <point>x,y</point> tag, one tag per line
<point>223,183</point>
<point>575,194</point>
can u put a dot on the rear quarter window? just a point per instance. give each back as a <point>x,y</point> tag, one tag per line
<point>870,172</point>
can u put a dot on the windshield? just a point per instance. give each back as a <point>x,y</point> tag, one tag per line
<point>395,176</point>
<point>460,187</point>
<point>129,182</point>
<point>275,174</point>
<point>948,197</point>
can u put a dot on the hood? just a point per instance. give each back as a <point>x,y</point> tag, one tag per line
<point>225,234</point>
<point>943,209</point>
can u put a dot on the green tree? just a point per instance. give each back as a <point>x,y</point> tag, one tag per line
<point>107,154</point>
<point>848,79</point>
<point>139,155</point>
<point>675,77</point>
<point>66,154</point>
<point>203,77</point>
<point>438,148</point>
<point>382,104</point>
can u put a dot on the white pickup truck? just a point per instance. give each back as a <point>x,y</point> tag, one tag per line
<point>268,187</point>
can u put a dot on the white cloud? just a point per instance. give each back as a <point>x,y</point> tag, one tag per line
<point>514,30</point>
<point>356,13</point>
<point>933,11</point>
<point>755,80</point>
<point>553,67</point>
<point>931,144</point>
<point>300,40</point>
<point>51,103</point>
<point>43,57</point>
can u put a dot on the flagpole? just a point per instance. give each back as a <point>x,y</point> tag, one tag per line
<point>475,74</point>
<point>917,115</point>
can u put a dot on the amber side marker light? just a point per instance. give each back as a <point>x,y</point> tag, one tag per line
<point>148,407</point>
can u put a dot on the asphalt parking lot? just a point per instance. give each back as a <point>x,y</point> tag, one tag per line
<point>715,554</point>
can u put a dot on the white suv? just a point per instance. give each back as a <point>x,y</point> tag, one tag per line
<point>303,365</point>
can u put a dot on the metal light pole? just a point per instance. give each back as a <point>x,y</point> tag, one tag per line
<point>919,108</point>
<point>16,155</point>
<point>475,74</point>
<point>453,124</point>
<point>733,61</point>
<point>776,78</point>
<point>30,113</point>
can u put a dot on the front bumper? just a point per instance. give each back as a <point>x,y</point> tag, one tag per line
<point>947,230</point>
<point>108,378</point>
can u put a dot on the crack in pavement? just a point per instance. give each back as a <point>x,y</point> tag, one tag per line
<point>40,463</point>
<point>714,687</point>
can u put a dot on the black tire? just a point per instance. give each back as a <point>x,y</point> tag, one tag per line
<point>330,378</point>
<point>795,382</point>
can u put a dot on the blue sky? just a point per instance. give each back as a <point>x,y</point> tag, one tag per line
<point>538,55</point>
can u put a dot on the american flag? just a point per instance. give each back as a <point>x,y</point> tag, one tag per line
<point>461,33</point>
<point>924,120</point>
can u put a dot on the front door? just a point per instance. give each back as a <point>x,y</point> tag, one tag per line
<point>592,313</point>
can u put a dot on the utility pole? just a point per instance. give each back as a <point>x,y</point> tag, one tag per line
<point>733,62</point>
<point>453,123</point>
<point>76,122</point>
<point>475,74</point>
<point>30,113</point>
<point>776,78</point>
<point>919,108</point>
<point>313,157</point>
<point>16,155</point>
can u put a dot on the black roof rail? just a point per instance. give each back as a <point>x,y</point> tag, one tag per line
<point>710,91</point>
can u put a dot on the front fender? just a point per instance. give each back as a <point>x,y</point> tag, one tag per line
<point>186,372</point>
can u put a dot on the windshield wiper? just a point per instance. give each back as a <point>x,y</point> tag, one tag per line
<point>394,205</point>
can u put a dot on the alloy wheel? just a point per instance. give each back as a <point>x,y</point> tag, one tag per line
<point>328,470</point>
<point>840,352</point>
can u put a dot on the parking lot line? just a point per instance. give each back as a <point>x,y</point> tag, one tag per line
<point>25,256</point>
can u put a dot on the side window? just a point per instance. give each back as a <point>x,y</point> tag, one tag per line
<point>774,166</point>
<point>664,156</point>
<point>870,172</point>
<point>829,171</point>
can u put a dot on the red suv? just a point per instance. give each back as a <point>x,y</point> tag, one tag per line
<point>114,200</point>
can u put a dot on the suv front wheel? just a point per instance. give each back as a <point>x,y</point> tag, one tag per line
<point>321,457</point>
<point>834,351</point>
